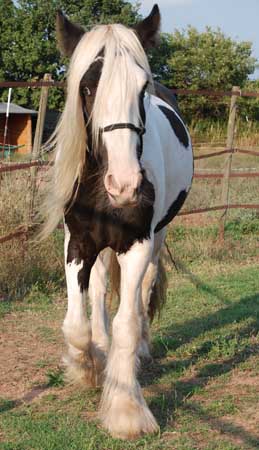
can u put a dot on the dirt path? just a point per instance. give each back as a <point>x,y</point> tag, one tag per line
<point>31,343</point>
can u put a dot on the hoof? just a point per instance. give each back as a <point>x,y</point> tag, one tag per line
<point>128,419</point>
<point>144,352</point>
<point>86,369</point>
<point>79,372</point>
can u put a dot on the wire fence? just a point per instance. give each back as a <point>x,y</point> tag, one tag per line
<point>38,164</point>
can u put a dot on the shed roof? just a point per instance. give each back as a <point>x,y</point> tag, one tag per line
<point>15,109</point>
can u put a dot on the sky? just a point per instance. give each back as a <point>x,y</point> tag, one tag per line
<point>238,19</point>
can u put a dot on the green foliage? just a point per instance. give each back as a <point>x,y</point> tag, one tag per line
<point>28,47</point>
<point>207,60</point>
<point>241,227</point>
<point>184,59</point>
<point>55,378</point>
<point>159,58</point>
<point>249,107</point>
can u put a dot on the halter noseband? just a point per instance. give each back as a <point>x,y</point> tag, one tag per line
<point>119,126</point>
<point>116,126</point>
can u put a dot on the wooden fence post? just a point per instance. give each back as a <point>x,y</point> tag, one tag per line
<point>36,150</point>
<point>228,161</point>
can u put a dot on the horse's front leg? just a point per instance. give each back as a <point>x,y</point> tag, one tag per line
<point>79,259</point>
<point>124,411</point>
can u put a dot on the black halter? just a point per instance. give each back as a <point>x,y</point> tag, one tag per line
<point>119,126</point>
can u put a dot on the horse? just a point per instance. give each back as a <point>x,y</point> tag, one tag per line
<point>122,170</point>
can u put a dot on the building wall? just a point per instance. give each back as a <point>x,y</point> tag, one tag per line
<point>19,131</point>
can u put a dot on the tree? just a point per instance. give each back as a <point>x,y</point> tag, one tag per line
<point>249,107</point>
<point>186,59</point>
<point>28,46</point>
<point>7,25</point>
<point>159,58</point>
<point>207,60</point>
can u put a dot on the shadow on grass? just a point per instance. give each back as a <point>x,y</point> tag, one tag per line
<point>176,396</point>
<point>226,428</point>
<point>177,335</point>
<point>7,405</point>
<point>173,395</point>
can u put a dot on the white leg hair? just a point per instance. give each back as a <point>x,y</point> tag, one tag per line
<point>76,327</point>
<point>99,321</point>
<point>123,409</point>
<point>147,286</point>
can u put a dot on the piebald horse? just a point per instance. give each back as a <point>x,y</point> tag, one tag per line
<point>122,170</point>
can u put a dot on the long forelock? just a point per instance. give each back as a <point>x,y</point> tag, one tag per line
<point>121,47</point>
<point>122,51</point>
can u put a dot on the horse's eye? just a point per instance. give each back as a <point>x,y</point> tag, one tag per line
<point>86,90</point>
<point>144,88</point>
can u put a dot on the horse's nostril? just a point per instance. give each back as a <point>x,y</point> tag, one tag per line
<point>110,183</point>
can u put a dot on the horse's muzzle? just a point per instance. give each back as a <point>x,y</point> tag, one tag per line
<point>123,194</point>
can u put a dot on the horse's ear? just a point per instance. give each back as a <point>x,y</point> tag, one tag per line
<point>68,34</point>
<point>149,28</point>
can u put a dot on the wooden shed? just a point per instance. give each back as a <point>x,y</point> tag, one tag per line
<point>20,127</point>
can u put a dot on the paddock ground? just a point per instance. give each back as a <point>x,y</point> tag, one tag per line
<point>203,383</point>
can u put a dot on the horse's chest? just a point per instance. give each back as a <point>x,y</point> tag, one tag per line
<point>94,220</point>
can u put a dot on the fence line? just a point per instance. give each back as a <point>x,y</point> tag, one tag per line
<point>19,166</point>
<point>217,208</point>
<point>24,230</point>
<point>10,167</point>
<point>62,84</point>
<point>43,164</point>
<point>227,150</point>
<point>231,175</point>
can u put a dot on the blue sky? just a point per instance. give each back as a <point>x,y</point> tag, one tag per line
<point>238,19</point>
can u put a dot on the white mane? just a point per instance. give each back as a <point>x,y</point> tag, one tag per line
<point>121,46</point>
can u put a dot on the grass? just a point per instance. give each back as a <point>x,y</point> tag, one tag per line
<point>55,378</point>
<point>214,132</point>
<point>202,385</point>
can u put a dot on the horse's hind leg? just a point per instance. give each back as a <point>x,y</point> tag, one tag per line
<point>99,321</point>
<point>76,327</point>
<point>148,290</point>
<point>147,287</point>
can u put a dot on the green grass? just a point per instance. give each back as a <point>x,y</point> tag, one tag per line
<point>206,340</point>
<point>55,378</point>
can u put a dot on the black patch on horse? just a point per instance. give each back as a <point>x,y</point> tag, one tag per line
<point>172,211</point>
<point>95,224</point>
<point>176,124</point>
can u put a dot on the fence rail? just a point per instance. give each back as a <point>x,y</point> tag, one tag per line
<point>42,164</point>
<point>11,167</point>
<point>62,84</point>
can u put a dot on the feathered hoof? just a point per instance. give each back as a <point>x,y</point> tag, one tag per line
<point>85,370</point>
<point>126,419</point>
<point>144,352</point>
